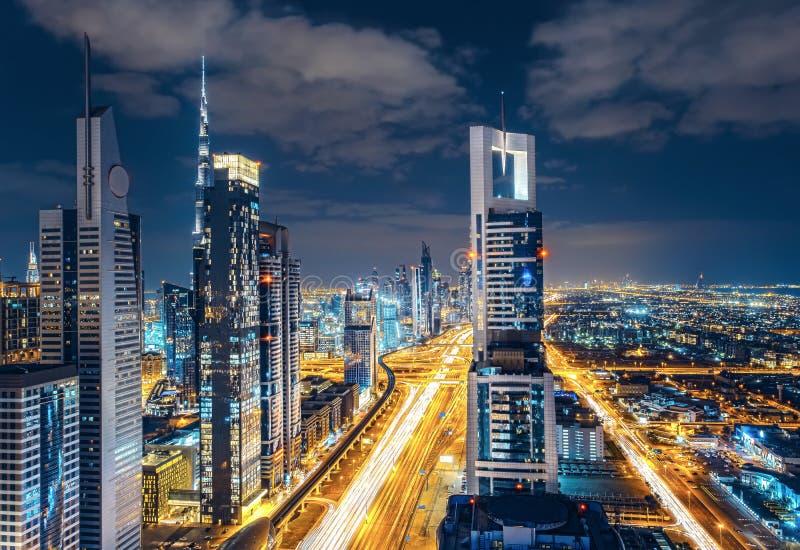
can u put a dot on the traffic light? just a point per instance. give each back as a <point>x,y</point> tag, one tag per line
<point>472,501</point>
<point>582,508</point>
<point>519,486</point>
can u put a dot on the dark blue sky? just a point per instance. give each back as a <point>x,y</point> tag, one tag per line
<point>666,132</point>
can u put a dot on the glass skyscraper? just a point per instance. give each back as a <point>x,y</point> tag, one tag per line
<point>279,303</point>
<point>91,304</point>
<point>177,319</point>
<point>360,341</point>
<point>228,312</point>
<point>511,443</point>
<point>42,452</point>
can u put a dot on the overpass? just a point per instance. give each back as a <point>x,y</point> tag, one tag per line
<point>284,512</point>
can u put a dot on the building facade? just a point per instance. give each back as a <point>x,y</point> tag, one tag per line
<point>511,428</point>
<point>177,318</point>
<point>163,471</point>
<point>360,341</point>
<point>19,322</point>
<point>279,340</point>
<point>92,310</point>
<point>227,294</point>
<point>41,511</point>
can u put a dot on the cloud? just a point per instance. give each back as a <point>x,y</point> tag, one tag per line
<point>138,94</point>
<point>378,233</point>
<point>331,92</point>
<point>611,69</point>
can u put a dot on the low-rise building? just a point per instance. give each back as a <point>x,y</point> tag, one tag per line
<point>162,472</point>
<point>526,521</point>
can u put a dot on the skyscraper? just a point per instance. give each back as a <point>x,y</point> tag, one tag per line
<point>204,169</point>
<point>92,301</point>
<point>228,313</point>
<point>360,342</point>
<point>419,317</point>
<point>511,414</point>
<point>39,450</point>
<point>177,318</point>
<point>32,275</point>
<point>279,295</point>
<point>19,322</point>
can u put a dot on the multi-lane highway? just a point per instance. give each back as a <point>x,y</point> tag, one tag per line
<point>693,507</point>
<point>376,509</point>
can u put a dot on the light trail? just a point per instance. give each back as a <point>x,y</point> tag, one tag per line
<point>625,438</point>
<point>338,527</point>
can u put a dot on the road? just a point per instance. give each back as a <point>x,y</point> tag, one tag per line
<point>696,514</point>
<point>377,508</point>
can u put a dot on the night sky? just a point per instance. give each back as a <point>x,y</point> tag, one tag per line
<point>666,132</point>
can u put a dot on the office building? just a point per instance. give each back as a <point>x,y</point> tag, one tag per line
<point>228,314</point>
<point>388,325</point>
<point>465,291</point>
<point>19,322</point>
<point>279,342</point>
<point>152,322</point>
<point>177,319</point>
<point>360,342</point>
<point>309,335</point>
<point>511,428</point>
<point>162,471</point>
<point>91,311</point>
<point>32,275</point>
<point>185,441</point>
<point>154,370</point>
<point>419,317</point>
<point>42,512</point>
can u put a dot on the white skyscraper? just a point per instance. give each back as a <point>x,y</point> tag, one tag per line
<point>32,275</point>
<point>511,444</point>
<point>96,312</point>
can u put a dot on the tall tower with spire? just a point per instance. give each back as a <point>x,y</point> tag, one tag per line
<point>32,275</point>
<point>91,316</point>
<point>203,159</point>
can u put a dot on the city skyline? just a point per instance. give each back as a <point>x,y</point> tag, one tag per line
<point>601,184</point>
<point>412,278</point>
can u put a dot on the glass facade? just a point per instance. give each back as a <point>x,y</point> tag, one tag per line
<point>177,318</point>
<point>230,411</point>
<point>360,340</point>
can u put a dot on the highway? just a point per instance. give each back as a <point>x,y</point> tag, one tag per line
<point>636,454</point>
<point>704,523</point>
<point>288,506</point>
<point>376,509</point>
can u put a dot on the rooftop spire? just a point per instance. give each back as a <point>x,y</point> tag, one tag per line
<point>88,169</point>
<point>203,78</point>
<point>503,128</point>
<point>32,275</point>
<point>203,156</point>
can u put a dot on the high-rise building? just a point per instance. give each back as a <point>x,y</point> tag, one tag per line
<point>19,322</point>
<point>58,234</point>
<point>511,426</point>
<point>40,451</point>
<point>228,315</point>
<point>204,168</point>
<point>154,370</point>
<point>360,342</point>
<point>91,310</point>
<point>177,319</point>
<point>419,317</point>
<point>32,275</point>
<point>465,291</point>
<point>279,295</point>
